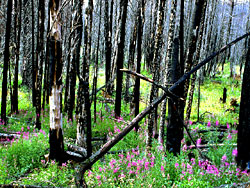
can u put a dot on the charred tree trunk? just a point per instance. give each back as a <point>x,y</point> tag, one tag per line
<point>197,58</point>
<point>131,59</point>
<point>139,57</point>
<point>6,62</point>
<point>194,31</point>
<point>39,60</point>
<point>120,57</point>
<point>15,85</point>
<point>175,126</point>
<point>156,75</point>
<point>46,84</point>
<point>84,123</point>
<point>97,59</point>
<point>169,70</point>
<point>244,122</point>
<point>34,66</point>
<point>108,43</point>
<point>55,60</point>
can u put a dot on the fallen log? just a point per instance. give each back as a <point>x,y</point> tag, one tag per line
<point>77,149</point>
<point>9,136</point>
<point>24,186</point>
<point>205,131</point>
<point>209,145</point>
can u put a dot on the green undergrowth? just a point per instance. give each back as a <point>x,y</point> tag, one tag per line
<point>23,161</point>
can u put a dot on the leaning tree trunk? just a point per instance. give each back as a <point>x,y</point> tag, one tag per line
<point>120,57</point>
<point>55,54</point>
<point>243,140</point>
<point>6,62</point>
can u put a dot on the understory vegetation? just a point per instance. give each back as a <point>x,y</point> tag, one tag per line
<point>24,158</point>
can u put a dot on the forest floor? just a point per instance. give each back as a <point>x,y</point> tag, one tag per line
<point>23,161</point>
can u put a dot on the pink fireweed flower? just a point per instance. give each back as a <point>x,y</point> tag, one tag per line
<point>176,165</point>
<point>190,122</point>
<point>152,164</point>
<point>98,177</point>
<point>234,131</point>
<point>131,172</point>
<point>229,137</point>
<point>162,168</point>
<point>224,158</point>
<point>64,164</point>
<point>189,166</point>
<point>209,124</point>
<point>228,126</point>
<point>89,174</point>
<point>198,142</point>
<point>235,152</point>
<point>193,161</point>
<point>116,169</point>
<point>119,119</point>
<point>217,123</point>
<point>146,165</point>
<point>183,165</point>
<point>134,163</point>
<point>121,155</point>
<point>22,129</point>
<point>184,148</point>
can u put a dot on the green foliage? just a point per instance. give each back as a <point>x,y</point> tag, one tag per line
<point>23,161</point>
<point>51,175</point>
<point>24,154</point>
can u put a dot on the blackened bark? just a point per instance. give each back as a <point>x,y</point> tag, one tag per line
<point>6,62</point>
<point>174,126</point>
<point>139,57</point>
<point>34,66</point>
<point>96,60</point>
<point>131,59</point>
<point>224,100</point>
<point>168,70</point>
<point>15,85</point>
<point>196,61</point>
<point>244,117</point>
<point>55,54</point>
<point>46,83</point>
<point>39,61</point>
<point>120,58</point>
<point>152,123</point>
<point>85,113</point>
<point>108,43</point>
<point>194,31</point>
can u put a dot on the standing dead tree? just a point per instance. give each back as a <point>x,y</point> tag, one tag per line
<point>6,62</point>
